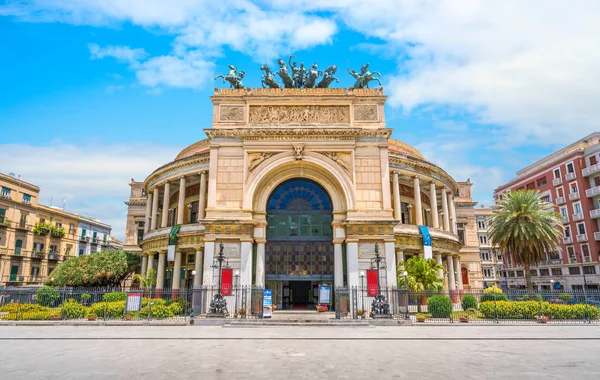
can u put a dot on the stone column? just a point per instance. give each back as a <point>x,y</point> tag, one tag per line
<point>154,210</point>
<point>396,191</point>
<point>144,264</point>
<point>434,206</point>
<point>452,213</point>
<point>160,273</point>
<point>418,205</point>
<point>148,216</point>
<point>458,272</point>
<point>390,261</point>
<point>209,256</point>
<point>198,269</point>
<point>150,263</point>
<point>166,201</point>
<point>399,256</point>
<point>180,204</point>
<point>451,280</point>
<point>338,264</point>
<point>260,262</point>
<point>352,263</point>
<point>438,259</point>
<point>202,199</point>
<point>445,210</point>
<point>246,264</point>
<point>176,271</point>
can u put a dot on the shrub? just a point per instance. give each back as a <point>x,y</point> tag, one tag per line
<point>525,297</point>
<point>564,297</point>
<point>114,296</point>
<point>493,297</point>
<point>469,302</point>
<point>539,297</point>
<point>108,309</point>
<point>531,309</point>
<point>47,296</point>
<point>439,306</point>
<point>493,290</point>
<point>105,268</point>
<point>73,310</point>
<point>85,298</point>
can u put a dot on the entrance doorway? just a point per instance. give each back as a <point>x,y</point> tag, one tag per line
<point>299,248</point>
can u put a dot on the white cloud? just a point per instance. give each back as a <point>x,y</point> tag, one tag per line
<point>93,179</point>
<point>122,53</point>
<point>174,71</point>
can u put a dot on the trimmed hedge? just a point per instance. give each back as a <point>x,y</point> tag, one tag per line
<point>439,306</point>
<point>531,309</point>
<point>47,296</point>
<point>469,302</point>
<point>493,297</point>
<point>114,296</point>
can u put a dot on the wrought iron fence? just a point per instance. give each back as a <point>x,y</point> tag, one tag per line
<point>242,302</point>
<point>474,306</point>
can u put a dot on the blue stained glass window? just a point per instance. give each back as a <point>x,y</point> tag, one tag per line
<point>299,196</point>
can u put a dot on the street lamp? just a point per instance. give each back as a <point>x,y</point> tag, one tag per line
<point>237,275</point>
<point>380,308</point>
<point>218,305</point>
<point>405,275</point>
<point>362,294</point>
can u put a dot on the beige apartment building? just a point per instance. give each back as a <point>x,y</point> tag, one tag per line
<point>300,186</point>
<point>34,238</point>
<point>471,273</point>
<point>492,264</point>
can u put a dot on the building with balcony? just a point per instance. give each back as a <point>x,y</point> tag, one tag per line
<point>136,214</point>
<point>299,186</point>
<point>34,238</point>
<point>93,236</point>
<point>492,264</point>
<point>570,178</point>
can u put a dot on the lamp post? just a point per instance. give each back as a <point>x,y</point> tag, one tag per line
<point>405,275</point>
<point>218,305</point>
<point>380,308</point>
<point>237,274</point>
<point>362,294</point>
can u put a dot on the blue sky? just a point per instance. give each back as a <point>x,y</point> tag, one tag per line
<point>102,91</point>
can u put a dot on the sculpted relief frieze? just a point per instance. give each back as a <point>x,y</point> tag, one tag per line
<point>299,114</point>
<point>365,112</point>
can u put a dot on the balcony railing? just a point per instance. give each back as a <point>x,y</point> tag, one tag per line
<point>560,200</point>
<point>565,219</point>
<point>582,237</point>
<point>557,181</point>
<point>570,176</point>
<point>597,236</point>
<point>568,240</point>
<point>595,213</point>
<point>577,217</point>
<point>53,256</point>
<point>592,191</point>
<point>5,195</point>
<point>574,196</point>
<point>17,278</point>
<point>590,170</point>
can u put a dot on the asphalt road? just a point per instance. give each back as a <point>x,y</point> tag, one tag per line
<point>419,352</point>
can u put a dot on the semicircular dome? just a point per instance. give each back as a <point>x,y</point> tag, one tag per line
<point>396,146</point>
<point>194,149</point>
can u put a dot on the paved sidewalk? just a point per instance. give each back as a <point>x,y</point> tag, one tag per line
<point>432,352</point>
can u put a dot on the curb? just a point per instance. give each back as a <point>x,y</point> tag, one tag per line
<point>94,323</point>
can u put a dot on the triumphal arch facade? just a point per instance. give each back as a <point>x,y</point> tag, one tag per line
<point>300,185</point>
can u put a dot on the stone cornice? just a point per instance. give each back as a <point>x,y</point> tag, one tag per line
<point>423,166</point>
<point>297,92</point>
<point>175,165</point>
<point>295,134</point>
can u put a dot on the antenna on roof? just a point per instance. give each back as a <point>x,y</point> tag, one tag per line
<point>11,175</point>
<point>64,203</point>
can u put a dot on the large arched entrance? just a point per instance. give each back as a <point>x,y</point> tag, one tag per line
<point>299,249</point>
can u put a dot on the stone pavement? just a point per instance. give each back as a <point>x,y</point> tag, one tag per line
<point>419,352</point>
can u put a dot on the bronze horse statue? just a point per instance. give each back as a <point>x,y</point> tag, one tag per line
<point>313,74</point>
<point>283,73</point>
<point>234,79</point>
<point>268,78</point>
<point>328,77</point>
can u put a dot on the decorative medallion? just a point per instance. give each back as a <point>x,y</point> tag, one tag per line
<point>365,112</point>
<point>231,113</point>
<point>299,151</point>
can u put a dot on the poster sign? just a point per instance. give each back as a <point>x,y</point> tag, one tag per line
<point>226,281</point>
<point>134,302</point>
<point>325,294</point>
<point>371,282</point>
<point>171,253</point>
<point>267,303</point>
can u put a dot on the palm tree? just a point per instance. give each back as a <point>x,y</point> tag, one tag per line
<point>526,228</point>
<point>147,281</point>
<point>421,276</point>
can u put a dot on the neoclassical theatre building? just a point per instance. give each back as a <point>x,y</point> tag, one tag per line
<point>299,185</point>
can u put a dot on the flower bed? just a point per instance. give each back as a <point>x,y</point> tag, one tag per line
<point>531,309</point>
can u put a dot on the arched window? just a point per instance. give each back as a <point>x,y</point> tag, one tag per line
<point>465,275</point>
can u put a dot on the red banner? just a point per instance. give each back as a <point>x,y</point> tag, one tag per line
<point>371,282</point>
<point>226,281</point>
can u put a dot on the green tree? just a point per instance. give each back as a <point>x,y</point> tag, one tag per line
<point>421,275</point>
<point>146,281</point>
<point>525,228</point>
<point>105,268</point>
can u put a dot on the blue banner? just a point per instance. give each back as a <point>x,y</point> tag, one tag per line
<point>427,251</point>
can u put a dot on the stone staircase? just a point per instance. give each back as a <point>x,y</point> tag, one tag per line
<point>308,318</point>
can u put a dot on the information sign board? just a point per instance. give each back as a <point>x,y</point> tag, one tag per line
<point>267,303</point>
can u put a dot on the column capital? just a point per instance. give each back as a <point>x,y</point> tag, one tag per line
<point>260,240</point>
<point>416,176</point>
<point>204,171</point>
